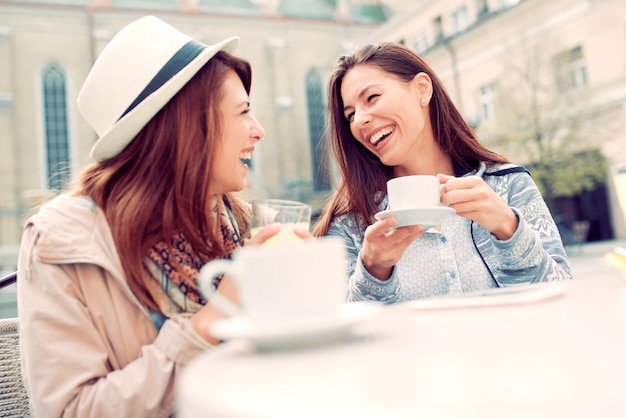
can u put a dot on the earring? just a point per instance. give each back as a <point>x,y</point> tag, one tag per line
<point>423,101</point>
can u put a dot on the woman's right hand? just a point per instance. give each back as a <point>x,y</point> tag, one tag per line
<point>208,314</point>
<point>384,245</point>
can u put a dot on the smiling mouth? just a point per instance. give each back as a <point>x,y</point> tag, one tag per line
<point>246,158</point>
<point>380,135</point>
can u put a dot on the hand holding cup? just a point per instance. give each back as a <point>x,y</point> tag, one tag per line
<point>281,283</point>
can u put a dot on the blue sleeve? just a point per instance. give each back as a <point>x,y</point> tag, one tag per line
<point>361,284</point>
<point>535,252</point>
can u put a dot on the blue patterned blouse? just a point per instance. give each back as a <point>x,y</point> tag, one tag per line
<point>464,257</point>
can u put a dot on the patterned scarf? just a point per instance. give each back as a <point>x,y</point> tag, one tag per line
<point>175,290</point>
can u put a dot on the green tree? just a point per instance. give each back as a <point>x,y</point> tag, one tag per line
<point>542,119</point>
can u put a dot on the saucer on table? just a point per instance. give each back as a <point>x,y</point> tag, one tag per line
<point>428,217</point>
<point>291,333</point>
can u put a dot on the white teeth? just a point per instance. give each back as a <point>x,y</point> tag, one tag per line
<point>246,155</point>
<point>374,139</point>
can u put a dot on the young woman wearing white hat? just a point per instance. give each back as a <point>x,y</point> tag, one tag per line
<point>108,303</point>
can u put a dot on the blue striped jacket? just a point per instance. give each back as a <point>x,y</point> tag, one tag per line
<point>462,257</point>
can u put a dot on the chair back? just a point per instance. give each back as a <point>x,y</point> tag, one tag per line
<point>13,396</point>
<point>8,280</point>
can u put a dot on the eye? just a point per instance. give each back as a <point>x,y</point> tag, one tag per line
<point>349,116</point>
<point>372,97</point>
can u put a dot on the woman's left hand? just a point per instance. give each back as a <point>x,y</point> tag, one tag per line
<point>472,198</point>
<point>265,233</point>
<point>270,230</point>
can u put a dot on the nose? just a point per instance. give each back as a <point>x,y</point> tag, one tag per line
<point>361,118</point>
<point>257,132</point>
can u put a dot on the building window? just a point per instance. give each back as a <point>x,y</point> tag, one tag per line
<point>438,29</point>
<point>487,100</point>
<point>55,127</point>
<point>483,9</point>
<point>505,4</point>
<point>420,42</point>
<point>570,70</point>
<point>459,20</point>
<point>317,121</point>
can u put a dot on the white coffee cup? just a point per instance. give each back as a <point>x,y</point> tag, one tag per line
<point>410,192</point>
<point>282,282</point>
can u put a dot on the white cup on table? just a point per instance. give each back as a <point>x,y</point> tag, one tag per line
<point>411,192</point>
<point>278,283</point>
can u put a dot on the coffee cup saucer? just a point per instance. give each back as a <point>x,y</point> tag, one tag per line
<point>428,217</point>
<point>295,333</point>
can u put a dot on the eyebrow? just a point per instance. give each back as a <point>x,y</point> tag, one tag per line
<point>361,94</point>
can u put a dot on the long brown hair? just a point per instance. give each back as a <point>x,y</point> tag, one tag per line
<point>362,173</point>
<point>159,184</point>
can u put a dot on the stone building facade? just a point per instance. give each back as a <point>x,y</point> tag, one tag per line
<point>48,46</point>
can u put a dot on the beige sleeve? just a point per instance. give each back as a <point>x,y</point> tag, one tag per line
<point>78,362</point>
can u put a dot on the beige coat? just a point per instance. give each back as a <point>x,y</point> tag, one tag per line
<point>89,347</point>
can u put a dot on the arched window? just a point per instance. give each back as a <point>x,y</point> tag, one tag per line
<point>55,127</point>
<point>315,106</point>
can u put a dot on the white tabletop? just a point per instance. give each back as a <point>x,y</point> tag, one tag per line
<point>560,357</point>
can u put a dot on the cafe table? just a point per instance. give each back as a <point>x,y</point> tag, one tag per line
<point>559,353</point>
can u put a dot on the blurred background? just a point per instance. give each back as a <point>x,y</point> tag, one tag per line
<point>543,82</point>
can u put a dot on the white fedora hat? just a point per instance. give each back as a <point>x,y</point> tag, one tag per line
<point>136,74</point>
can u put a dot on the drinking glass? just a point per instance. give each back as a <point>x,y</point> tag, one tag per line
<point>288,213</point>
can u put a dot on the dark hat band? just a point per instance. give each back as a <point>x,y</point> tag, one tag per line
<point>179,60</point>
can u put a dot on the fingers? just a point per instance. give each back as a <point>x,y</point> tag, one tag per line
<point>303,233</point>
<point>386,229</point>
<point>407,234</point>
<point>227,288</point>
<point>203,319</point>
<point>264,234</point>
<point>270,230</point>
<point>209,313</point>
<point>384,245</point>
<point>464,189</point>
<point>444,178</point>
<point>473,199</point>
<point>380,228</point>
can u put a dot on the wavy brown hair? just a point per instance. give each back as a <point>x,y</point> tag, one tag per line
<point>362,173</point>
<point>159,184</point>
